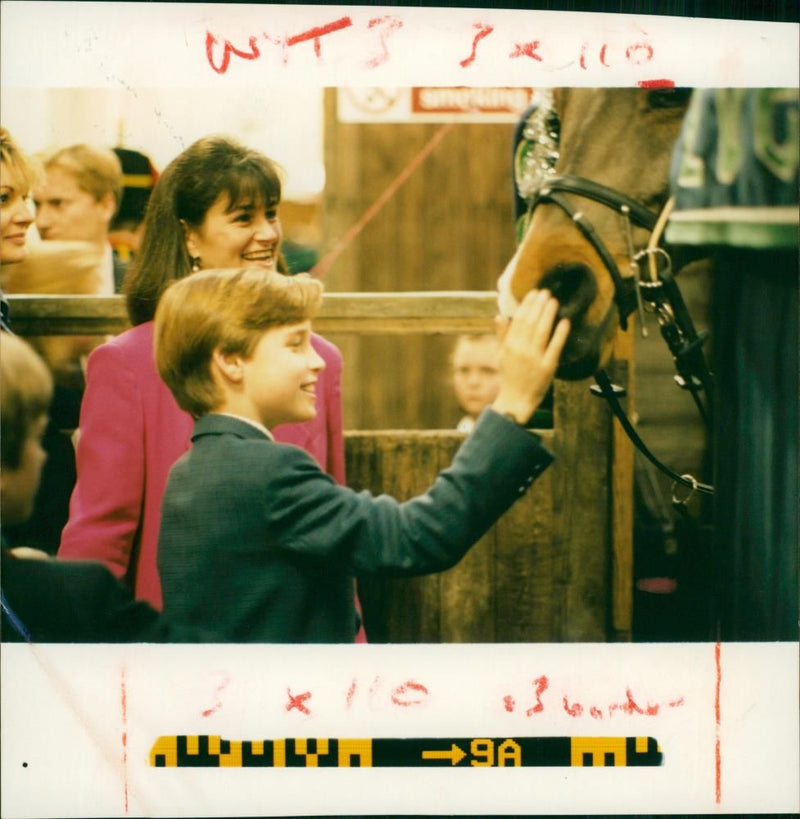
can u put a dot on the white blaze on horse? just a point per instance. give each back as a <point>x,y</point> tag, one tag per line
<point>595,175</point>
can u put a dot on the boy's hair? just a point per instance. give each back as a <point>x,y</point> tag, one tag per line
<point>96,170</point>
<point>181,198</point>
<point>12,156</point>
<point>227,310</point>
<point>474,338</point>
<point>26,388</point>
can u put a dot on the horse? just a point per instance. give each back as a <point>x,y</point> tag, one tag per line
<point>596,167</point>
<point>591,171</point>
<point>596,172</point>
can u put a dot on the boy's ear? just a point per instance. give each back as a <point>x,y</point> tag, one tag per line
<point>229,365</point>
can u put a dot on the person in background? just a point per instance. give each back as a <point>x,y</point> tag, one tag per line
<point>257,543</point>
<point>214,205</point>
<point>19,273</point>
<point>43,599</point>
<point>476,375</point>
<point>76,201</point>
<point>16,215</point>
<point>138,179</point>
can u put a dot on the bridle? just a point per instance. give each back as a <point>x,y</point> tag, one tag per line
<point>552,193</point>
<point>657,292</point>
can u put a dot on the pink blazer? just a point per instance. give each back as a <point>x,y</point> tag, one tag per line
<point>132,432</point>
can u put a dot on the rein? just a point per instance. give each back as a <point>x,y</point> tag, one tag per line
<point>658,292</point>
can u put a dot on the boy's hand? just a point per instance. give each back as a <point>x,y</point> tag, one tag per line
<point>529,355</point>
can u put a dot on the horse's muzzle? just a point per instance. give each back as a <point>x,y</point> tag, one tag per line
<point>575,288</point>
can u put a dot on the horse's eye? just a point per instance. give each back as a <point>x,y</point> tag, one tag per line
<point>668,97</point>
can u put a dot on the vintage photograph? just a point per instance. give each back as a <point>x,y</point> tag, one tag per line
<point>493,366</point>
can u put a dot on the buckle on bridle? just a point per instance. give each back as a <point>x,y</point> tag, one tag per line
<point>650,290</point>
<point>693,484</point>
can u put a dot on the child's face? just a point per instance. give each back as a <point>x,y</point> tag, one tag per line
<point>476,374</point>
<point>18,486</point>
<point>279,379</point>
<point>246,236</point>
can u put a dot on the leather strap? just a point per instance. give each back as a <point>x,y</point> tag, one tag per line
<point>607,392</point>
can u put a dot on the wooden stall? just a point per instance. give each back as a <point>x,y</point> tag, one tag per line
<point>541,574</point>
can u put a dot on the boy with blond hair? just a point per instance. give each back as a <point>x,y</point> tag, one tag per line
<point>476,375</point>
<point>257,544</point>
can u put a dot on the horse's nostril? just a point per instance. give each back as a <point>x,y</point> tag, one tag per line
<point>573,285</point>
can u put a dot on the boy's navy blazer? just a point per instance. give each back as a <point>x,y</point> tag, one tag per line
<point>258,544</point>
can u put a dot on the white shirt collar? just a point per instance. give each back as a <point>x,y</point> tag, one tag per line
<point>259,427</point>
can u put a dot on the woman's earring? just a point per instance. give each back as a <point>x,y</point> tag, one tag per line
<point>195,264</point>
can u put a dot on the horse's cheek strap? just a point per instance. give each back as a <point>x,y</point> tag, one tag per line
<point>624,289</point>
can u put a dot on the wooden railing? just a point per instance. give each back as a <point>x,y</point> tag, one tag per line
<point>422,312</point>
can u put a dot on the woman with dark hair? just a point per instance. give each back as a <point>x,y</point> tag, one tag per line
<point>215,205</point>
<point>216,186</point>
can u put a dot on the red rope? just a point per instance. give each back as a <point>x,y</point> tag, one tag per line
<point>322,267</point>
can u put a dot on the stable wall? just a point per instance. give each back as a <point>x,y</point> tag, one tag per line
<point>449,226</point>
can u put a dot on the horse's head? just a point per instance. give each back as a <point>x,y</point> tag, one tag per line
<point>622,139</point>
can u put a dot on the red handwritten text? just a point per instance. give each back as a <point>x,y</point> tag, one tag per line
<point>298,701</point>
<point>635,54</point>
<point>407,694</point>
<point>319,31</point>
<point>227,50</point>
<point>388,24</point>
<point>576,708</point>
<point>639,53</point>
<point>399,694</point>
<point>220,51</point>
<point>484,30</point>
<point>526,50</point>
<point>314,35</point>
<point>541,684</point>
<point>217,699</point>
